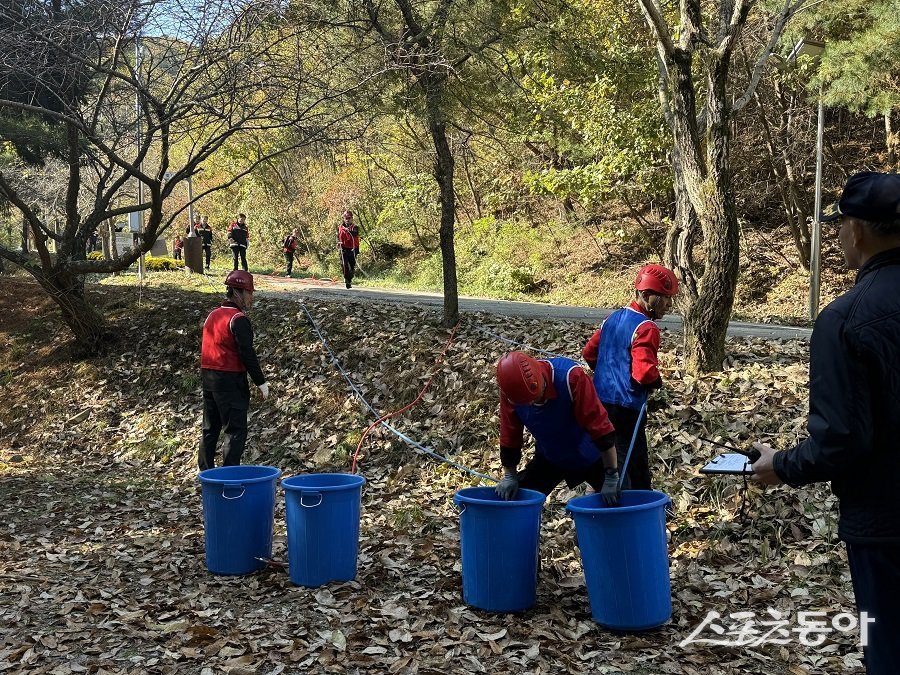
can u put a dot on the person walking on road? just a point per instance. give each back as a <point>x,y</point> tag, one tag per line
<point>238,239</point>
<point>288,246</point>
<point>348,241</point>
<point>227,356</point>
<point>206,234</point>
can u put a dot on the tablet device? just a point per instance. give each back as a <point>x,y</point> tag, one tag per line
<point>729,463</point>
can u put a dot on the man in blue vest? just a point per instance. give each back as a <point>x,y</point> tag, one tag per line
<point>555,400</point>
<point>623,355</point>
<point>227,356</point>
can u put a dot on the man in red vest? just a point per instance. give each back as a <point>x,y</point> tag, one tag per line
<point>226,358</point>
<point>348,240</point>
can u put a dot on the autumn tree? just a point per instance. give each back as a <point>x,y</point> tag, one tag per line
<point>138,93</point>
<point>698,100</point>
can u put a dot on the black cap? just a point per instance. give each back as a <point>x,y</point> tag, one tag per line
<point>868,195</point>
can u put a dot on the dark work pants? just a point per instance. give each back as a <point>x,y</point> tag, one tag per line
<point>223,410</point>
<point>177,254</point>
<point>207,249</point>
<point>242,252</point>
<point>624,420</point>
<point>875,570</point>
<point>348,263</point>
<point>289,261</point>
<point>541,475</point>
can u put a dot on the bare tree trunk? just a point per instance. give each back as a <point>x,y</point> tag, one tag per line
<point>792,198</point>
<point>88,326</point>
<point>25,228</point>
<point>443,173</point>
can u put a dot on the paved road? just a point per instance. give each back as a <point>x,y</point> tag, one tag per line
<point>510,308</point>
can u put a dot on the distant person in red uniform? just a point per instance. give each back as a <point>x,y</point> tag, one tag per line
<point>288,246</point>
<point>227,356</point>
<point>574,440</point>
<point>348,240</point>
<point>623,355</point>
<point>177,247</point>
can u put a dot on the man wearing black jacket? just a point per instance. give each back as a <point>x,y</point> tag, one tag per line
<point>227,356</point>
<point>206,233</point>
<point>854,411</point>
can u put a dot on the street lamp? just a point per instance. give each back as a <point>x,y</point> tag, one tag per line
<point>139,214</point>
<point>814,50</point>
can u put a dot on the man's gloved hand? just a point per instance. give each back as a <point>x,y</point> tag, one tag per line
<point>509,486</point>
<point>264,390</point>
<point>611,492</point>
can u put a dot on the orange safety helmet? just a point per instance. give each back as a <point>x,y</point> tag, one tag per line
<point>657,279</point>
<point>519,378</point>
<point>240,279</point>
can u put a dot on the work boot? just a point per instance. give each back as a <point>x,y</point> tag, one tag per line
<point>349,285</point>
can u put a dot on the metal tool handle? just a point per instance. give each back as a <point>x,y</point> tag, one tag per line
<point>637,425</point>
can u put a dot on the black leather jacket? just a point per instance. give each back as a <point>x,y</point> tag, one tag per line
<point>854,405</point>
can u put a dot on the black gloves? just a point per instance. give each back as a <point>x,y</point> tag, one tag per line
<point>611,492</point>
<point>508,487</point>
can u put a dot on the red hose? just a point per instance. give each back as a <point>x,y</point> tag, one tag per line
<point>408,405</point>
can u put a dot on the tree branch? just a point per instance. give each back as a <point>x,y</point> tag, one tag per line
<point>654,15</point>
<point>790,8</point>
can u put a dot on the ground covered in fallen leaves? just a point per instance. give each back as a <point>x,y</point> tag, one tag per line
<point>101,532</point>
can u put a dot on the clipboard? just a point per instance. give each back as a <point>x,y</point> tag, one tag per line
<point>729,463</point>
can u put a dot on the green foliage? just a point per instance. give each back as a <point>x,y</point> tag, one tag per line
<point>860,68</point>
<point>162,264</point>
<point>95,255</point>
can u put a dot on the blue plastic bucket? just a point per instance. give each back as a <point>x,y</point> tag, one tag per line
<point>322,511</point>
<point>625,558</point>
<point>238,514</point>
<point>499,541</point>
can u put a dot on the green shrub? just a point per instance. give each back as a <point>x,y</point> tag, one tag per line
<point>163,264</point>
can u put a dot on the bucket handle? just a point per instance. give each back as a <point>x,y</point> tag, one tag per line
<point>310,506</point>
<point>225,486</point>
<point>461,507</point>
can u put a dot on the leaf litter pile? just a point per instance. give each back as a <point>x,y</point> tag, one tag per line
<point>101,531</point>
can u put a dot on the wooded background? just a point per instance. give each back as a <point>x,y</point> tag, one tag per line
<point>501,147</point>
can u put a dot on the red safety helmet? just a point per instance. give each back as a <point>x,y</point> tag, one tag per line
<point>348,215</point>
<point>240,279</point>
<point>520,379</point>
<point>657,279</point>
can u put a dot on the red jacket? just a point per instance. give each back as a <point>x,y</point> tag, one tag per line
<point>348,236</point>
<point>588,411</point>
